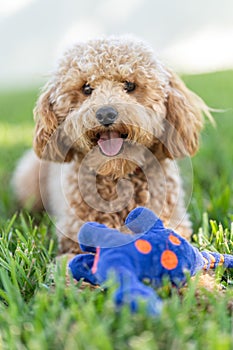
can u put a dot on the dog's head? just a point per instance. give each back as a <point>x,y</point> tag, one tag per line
<point>108,95</point>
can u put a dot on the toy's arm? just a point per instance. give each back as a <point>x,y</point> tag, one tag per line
<point>87,236</point>
<point>93,235</point>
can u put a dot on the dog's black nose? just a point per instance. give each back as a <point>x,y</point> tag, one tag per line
<point>106,115</point>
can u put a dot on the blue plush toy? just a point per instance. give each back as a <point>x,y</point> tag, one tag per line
<point>151,253</point>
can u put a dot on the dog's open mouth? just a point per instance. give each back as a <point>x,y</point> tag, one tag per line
<point>111,142</point>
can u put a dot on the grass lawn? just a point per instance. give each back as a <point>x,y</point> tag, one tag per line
<point>37,309</point>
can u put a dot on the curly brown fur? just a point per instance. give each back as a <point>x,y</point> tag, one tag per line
<point>157,122</point>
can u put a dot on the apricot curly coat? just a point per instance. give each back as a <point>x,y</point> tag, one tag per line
<point>159,120</point>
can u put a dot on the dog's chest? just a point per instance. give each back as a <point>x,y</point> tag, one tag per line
<point>104,199</point>
<point>107,200</point>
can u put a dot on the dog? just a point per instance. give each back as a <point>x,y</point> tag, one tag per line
<point>110,124</point>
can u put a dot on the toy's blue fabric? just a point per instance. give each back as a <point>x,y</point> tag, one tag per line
<point>151,253</point>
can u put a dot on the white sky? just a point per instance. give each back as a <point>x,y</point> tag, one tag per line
<point>191,36</point>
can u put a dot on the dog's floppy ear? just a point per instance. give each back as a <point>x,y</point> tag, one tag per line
<point>49,142</point>
<point>184,119</point>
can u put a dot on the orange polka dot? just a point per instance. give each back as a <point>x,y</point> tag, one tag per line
<point>169,260</point>
<point>175,240</point>
<point>143,246</point>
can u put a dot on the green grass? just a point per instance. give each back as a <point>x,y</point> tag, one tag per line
<point>213,164</point>
<point>38,310</point>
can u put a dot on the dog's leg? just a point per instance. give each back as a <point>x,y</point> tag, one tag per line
<point>27,182</point>
<point>67,231</point>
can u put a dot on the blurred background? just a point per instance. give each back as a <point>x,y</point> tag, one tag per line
<point>195,38</point>
<point>191,36</point>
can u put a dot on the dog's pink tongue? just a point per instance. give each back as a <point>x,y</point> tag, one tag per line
<point>110,143</point>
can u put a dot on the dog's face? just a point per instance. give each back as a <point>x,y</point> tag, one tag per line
<point>107,96</point>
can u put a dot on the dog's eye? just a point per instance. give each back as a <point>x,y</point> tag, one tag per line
<point>129,86</point>
<point>87,89</point>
